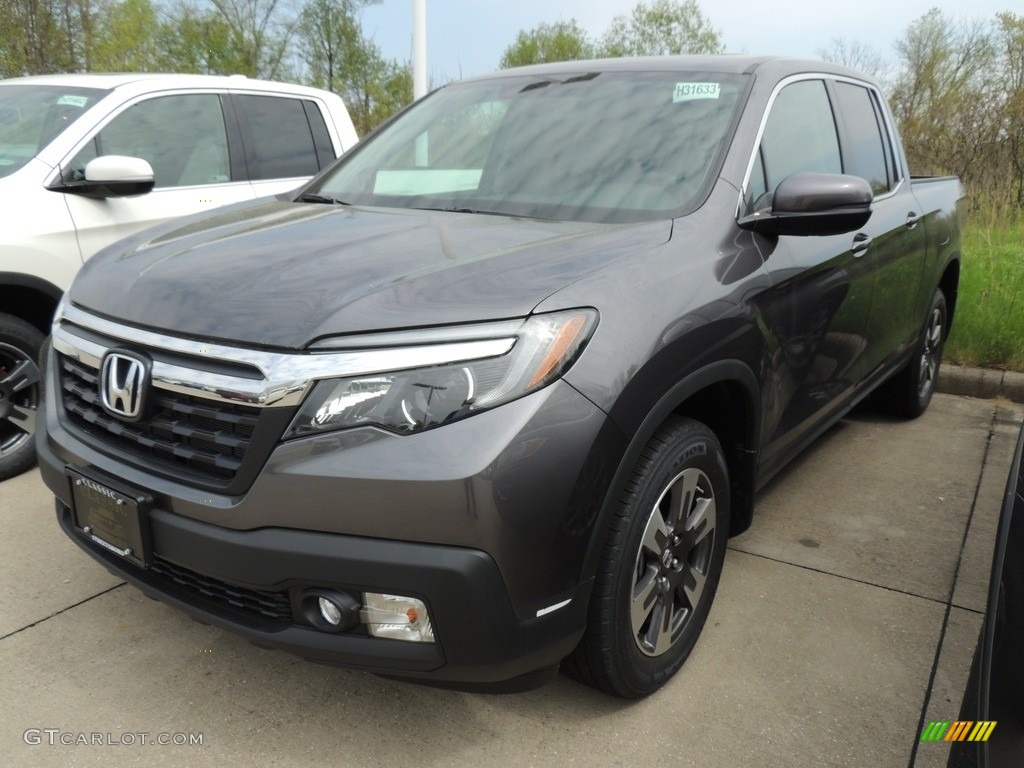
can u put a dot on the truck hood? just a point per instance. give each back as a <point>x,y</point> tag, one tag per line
<point>283,274</point>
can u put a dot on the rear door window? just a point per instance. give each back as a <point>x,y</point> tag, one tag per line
<point>279,142</point>
<point>864,142</point>
<point>321,137</point>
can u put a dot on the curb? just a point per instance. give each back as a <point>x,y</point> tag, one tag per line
<point>984,383</point>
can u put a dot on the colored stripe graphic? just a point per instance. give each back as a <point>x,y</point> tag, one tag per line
<point>982,731</point>
<point>958,730</point>
<point>935,731</point>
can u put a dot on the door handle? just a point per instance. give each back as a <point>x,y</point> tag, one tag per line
<point>912,219</point>
<point>860,244</point>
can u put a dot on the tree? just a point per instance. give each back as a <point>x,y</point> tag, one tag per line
<point>1009,43</point>
<point>661,28</point>
<point>337,56</point>
<point>199,41</point>
<point>857,55</point>
<point>376,89</point>
<point>41,36</point>
<point>259,35</point>
<point>331,39</point>
<point>944,96</point>
<point>125,38</point>
<point>561,41</point>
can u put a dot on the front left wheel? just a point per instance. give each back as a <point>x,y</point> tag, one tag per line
<point>661,565</point>
<point>20,344</point>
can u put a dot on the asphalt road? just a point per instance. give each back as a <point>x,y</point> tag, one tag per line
<point>846,619</point>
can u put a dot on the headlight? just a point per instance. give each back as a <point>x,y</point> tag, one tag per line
<point>419,398</point>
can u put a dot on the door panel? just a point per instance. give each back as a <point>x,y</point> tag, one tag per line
<point>816,314</point>
<point>102,222</point>
<point>894,237</point>
<point>817,317</point>
<point>897,256</point>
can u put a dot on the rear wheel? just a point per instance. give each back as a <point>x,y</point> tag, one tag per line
<point>909,392</point>
<point>19,394</point>
<point>661,564</point>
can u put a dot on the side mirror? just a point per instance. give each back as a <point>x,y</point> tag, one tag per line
<point>112,176</point>
<point>806,204</point>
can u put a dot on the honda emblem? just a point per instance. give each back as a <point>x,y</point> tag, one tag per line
<point>123,385</point>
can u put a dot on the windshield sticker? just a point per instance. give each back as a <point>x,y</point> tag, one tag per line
<point>694,91</point>
<point>74,101</point>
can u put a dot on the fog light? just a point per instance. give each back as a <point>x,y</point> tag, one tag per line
<point>330,612</point>
<point>396,617</point>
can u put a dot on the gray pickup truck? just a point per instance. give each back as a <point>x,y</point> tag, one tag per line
<point>487,396</point>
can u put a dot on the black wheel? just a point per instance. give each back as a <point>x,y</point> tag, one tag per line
<point>661,564</point>
<point>19,394</point>
<point>909,392</point>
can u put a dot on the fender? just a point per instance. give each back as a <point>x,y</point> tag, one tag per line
<point>30,298</point>
<point>743,467</point>
<point>22,280</point>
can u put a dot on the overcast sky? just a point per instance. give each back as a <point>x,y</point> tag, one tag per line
<point>467,37</point>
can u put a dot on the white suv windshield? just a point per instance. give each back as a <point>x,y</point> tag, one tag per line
<point>595,146</point>
<point>31,116</point>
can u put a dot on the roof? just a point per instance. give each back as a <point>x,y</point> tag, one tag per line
<point>723,63</point>
<point>163,80</point>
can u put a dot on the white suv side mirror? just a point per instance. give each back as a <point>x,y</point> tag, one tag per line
<point>119,169</point>
<point>112,176</point>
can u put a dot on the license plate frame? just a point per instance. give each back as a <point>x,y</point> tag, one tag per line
<point>115,519</point>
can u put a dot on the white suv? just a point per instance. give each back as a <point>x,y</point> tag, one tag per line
<point>88,159</point>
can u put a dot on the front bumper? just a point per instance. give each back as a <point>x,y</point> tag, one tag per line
<point>487,520</point>
<point>482,640</point>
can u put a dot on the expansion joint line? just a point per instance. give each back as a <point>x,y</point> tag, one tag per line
<point>62,610</point>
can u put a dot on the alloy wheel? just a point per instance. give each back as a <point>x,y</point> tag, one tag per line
<point>673,561</point>
<point>931,352</point>
<point>19,398</point>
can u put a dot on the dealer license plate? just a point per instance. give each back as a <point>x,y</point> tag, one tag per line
<point>115,520</point>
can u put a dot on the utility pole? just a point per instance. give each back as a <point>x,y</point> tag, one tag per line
<point>419,48</point>
<point>419,72</point>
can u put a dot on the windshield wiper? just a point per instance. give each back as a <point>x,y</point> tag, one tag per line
<point>312,197</point>
<point>455,209</point>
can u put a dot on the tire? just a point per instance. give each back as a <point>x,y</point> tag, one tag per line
<point>909,392</point>
<point>660,567</point>
<point>20,344</point>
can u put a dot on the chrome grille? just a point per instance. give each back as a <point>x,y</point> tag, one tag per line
<point>201,436</point>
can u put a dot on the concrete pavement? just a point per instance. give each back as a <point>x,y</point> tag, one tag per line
<point>846,616</point>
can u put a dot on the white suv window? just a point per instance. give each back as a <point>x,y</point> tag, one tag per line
<point>278,137</point>
<point>182,137</point>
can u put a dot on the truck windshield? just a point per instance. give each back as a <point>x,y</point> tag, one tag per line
<point>31,116</point>
<point>595,146</point>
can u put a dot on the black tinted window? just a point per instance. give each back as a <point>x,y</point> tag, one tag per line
<point>864,148</point>
<point>279,143</point>
<point>182,137</point>
<point>800,134</point>
<point>324,148</point>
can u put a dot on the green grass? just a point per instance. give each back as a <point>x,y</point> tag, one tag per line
<point>988,329</point>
